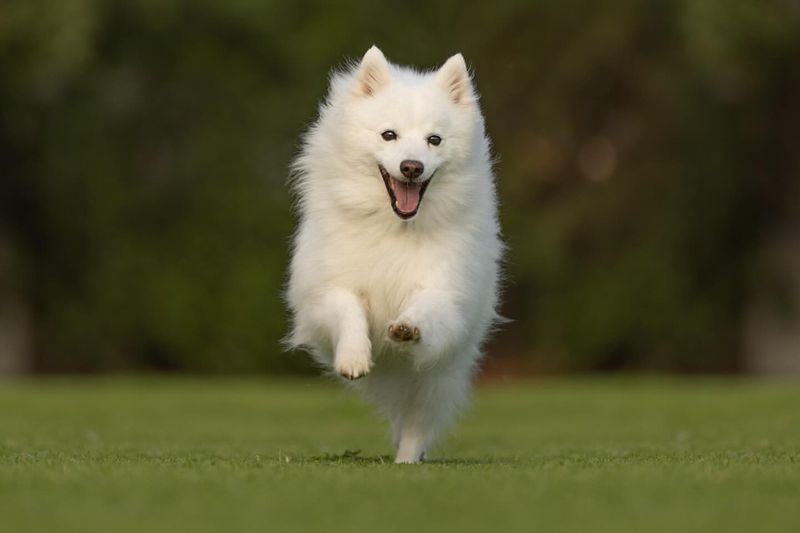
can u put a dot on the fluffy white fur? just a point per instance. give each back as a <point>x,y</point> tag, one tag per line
<point>359,271</point>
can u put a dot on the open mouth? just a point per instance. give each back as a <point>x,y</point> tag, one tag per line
<point>406,196</point>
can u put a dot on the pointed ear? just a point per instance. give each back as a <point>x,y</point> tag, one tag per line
<point>373,72</point>
<point>454,78</point>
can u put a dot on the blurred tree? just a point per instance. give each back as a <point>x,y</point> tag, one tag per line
<point>646,149</point>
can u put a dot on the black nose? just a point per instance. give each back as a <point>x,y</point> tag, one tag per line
<point>412,169</point>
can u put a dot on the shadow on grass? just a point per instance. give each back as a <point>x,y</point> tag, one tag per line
<point>354,457</point>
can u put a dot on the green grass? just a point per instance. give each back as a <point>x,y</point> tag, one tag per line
<point>176,455</point>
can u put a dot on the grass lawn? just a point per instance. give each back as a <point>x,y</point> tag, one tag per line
<point>145,455</point>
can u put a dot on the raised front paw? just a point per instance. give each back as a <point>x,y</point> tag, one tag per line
<point>352,365</point>
<point>404,332</point>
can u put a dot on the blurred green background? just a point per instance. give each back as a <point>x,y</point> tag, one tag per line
<point>648,163</point>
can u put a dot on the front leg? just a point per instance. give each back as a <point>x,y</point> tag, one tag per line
<point>430,327</point>
<point>342,314</point>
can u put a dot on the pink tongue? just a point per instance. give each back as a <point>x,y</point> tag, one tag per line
<point>407,195</point>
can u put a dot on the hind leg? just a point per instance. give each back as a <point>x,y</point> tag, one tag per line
<point>428,409</point>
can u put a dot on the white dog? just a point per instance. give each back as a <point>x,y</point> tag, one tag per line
<point>394,275</point>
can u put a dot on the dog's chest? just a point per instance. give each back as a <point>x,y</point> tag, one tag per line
<point>385,272</point>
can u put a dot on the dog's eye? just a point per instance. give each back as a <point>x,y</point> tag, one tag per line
<point>434,140</point>
<point>389,135</point>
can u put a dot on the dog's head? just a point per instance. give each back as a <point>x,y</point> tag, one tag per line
<point>405,128</point>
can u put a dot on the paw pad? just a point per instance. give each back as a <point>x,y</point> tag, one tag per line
<point>403,332</point>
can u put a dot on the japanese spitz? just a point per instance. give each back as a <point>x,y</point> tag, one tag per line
<point>394,276</point>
